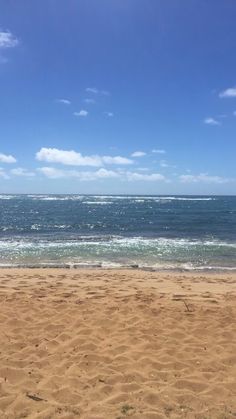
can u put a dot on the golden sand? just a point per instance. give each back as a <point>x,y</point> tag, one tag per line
<point>113,344</point>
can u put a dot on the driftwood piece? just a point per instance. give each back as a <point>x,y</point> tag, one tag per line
<point>35,398</point>
<point>187,307</point>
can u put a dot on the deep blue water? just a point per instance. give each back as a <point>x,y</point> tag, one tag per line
<point>170,232</point>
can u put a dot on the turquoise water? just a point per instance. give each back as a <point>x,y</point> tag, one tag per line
<point>159,232</point>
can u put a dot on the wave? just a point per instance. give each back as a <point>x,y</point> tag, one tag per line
<point>114,265</point>
<point>8,196</point>
<point>154,197</point>
<point>38,227</point>
<point>48,197</point>
<point>119,252</point>
<point>172,242</point>
<point>119,241</point>
<point>177,198</point>
<point>97,202</point>
<point>56,198</point>
<point>141,198</point>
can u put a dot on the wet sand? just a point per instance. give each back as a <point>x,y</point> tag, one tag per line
<point>111,344</point>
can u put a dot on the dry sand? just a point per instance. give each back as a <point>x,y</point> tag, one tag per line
<point>116,344</point>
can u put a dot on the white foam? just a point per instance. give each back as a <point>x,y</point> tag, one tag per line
<point>115,265</point>
<point>35,227</point>
<point>56,198</point>
<point>143,198</point>
<point>174,198</point>
<point>97,202</point>
<point>117,241</point>
<point>8,196</point>
<point>162,241</point>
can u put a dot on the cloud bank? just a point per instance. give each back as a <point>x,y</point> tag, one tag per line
<point>54,173</point>
<point>205,178</point>
<point>73,158</point>
<point>19,171</point>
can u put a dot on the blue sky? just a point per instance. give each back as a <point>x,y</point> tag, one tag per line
<point>135,96</point>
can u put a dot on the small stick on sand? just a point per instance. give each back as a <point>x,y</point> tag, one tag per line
<point>187,307</point>
<point>35,398</point>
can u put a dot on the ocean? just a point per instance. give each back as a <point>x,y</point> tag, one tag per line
<point>149,232</point>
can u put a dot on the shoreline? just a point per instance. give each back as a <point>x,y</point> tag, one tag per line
<point>110,267</point>
<point>133,272</point>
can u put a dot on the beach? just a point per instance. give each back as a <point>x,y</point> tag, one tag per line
<point>94,343</point>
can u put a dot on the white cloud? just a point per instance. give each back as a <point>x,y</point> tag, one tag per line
<point>83,112</point>
<point>64,101</point>
<point>53,173</point>
<point>19,171</point>
<point>109,114</point>
<point>205,178</point>
<point>116,160</point>
<point>164,164</point>
<point>138,154</point>
<point>8,40</point>
<point>89,101</point>
<point>7,158</point>
<point>230,92</point>
<point>211,121</point>
<point>92,90</point>
<point>102,173</point>
<point>73,158</point>
<point>153,177</point>
<point>95,91</point>
<point>158,151</point>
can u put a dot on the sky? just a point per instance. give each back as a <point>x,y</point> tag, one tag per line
<point>118,96</point>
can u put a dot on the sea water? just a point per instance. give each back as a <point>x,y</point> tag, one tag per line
<point>157,232</point>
